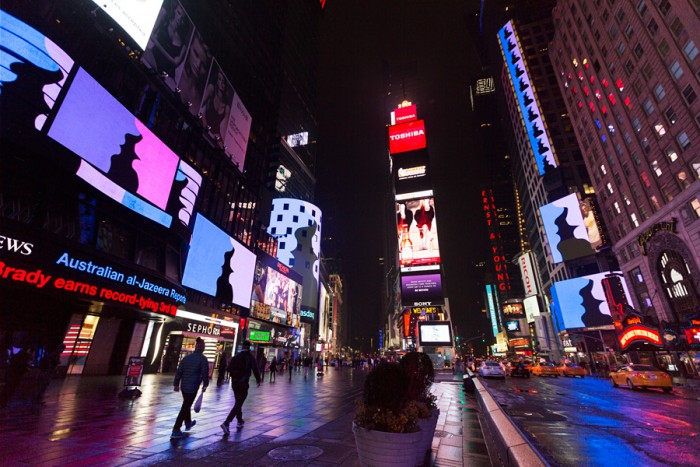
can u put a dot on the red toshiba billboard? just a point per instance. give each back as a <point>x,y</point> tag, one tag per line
<point>407,137</point>
<point>405,114</point>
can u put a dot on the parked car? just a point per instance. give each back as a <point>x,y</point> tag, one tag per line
<point>641,376</point>
<point>491,369</point>
<point>571,369</point>
<point>545,369</point>
<point>518,369</point>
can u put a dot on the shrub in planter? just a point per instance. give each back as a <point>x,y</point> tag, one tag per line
<point>421,374</point>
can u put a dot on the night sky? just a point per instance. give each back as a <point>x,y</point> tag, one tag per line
<point>356,37</point>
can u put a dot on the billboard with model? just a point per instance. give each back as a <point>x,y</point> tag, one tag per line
<point>417,234</point>
<point>566,230</point>
<point>277,292</point>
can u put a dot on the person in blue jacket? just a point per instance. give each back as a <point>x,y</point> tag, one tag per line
<point>192,371</point>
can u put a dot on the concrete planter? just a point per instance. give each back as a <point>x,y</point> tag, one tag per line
<point>383,449</point>
<point>427,429</point>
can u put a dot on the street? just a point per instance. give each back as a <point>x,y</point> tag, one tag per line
<point>574,422</point>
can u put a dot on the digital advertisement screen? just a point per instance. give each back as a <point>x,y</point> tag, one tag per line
<point>122,156</point>
<point>513,310</point>
<point>218,265</point>
<point>136,17</point>
<point>435,333</point>
<point>34,70</point>
<point>526,96</point>
<point>527,274</point>
<point>421,290</point>
<point>581,302</point>
<point>417,231</point>
<point>594,229</point>
<point>277,292</point>
<point>532,308</point>
<point>407,137</point>
<point>298,139</point>
<point>404,114</point>
<point>565,228</point>
<point>513,326</point>
<point>410,170</point>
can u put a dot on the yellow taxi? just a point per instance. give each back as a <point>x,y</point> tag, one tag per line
<point>571,369</point>
<point>641,376</point>
<point>545,369</point>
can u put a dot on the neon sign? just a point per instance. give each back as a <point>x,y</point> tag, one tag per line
<point>639,333</point>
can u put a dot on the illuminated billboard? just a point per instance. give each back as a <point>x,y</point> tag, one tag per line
<point>532,308</point>
<point>594,229</point>
<point>527,273</point>
<point>410,170</point>
<point>122,157</point>
<point>296,225</point>
<point>404,114</point>
<point>512,310</point>
<point>492,305</point>
<point>531,116</point>
<point>407,137</point>
<point>218,265</point>
<point>136,17</point>
<point>417,234</point>
<point>277,292</point>
<point>298,139</point>
<point>421,290</point>
<point>565,228</point>
<point>34,71</point>
<point>435,333</point>
<point>581,302</point>
<point>178,52</point>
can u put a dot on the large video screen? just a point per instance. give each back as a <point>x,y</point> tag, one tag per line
<point>218,265</point>
<point>410,171</point>
<point>178,52</point>
<point>33,70</point>
<point>122,157</point>
<point>136,17</point>
<point>526,97</point>
<point>421,290</point>
<point>277,292</point>
<point>407,137</point>
<point>417,230</point>
<point>435,333</point>
<point>581,302</point>
<point>566,230</point>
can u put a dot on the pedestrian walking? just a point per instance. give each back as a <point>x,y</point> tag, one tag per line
<point>192,371</point>
<point>240,368</point>
<point>223,363</point>
<point>262,364</point>
<point>19,364</point>
<point>307,366</point>
<point>319,367</point>
<point>273,369</point>
<point>290,366</point>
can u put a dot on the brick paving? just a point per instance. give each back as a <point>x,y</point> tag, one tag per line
<point>81,421</point>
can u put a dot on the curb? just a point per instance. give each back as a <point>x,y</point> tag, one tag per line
<point>507,438</point>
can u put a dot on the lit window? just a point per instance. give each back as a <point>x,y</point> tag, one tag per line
<point>604,138</point>
<point>671,154</point>
<point>617,207</point>
<point>611,129</point>
<point>676,70</point>
<point>657,169</point>
<point>610,188</point>
<point>604,110</point>
<point>628,102</point>
<point>660,130</point>
<point>575,90</point>
<point>648,107</point>
<point>645,145</point>
<point>671,116</point>
<point>566,85</point>
<point>575,62</point>
<point>580,104</point>
<point>659,91</point>
<point>620,85</point>
<point>627,200</point>
<point>691,51</point>
<point>621,48</point>
<point>641,8</point>
<point>597,123</point>
<point>602,169</point>
<point>636,125</point>
<point>591,106</point>
<point>586,91</point>
<point>585,63</point>
<point>605,82</point>
<point>580,76</point>
<point>645,179</point>
<point>628,138</point>
<point>655,202</point>
<point>633,216</point>
<point>695,205</point>
<point>683,140</point>
<point>611,98</point>
<point>683,179</point>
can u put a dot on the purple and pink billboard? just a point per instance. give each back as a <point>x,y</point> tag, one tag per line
<point>421,290</point>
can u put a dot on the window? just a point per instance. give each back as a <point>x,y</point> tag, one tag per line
<point>604,51</point>
<point>671,154</point>
<point>620,15</point>
<point>660,130</point>
<point>695,207</point>
<point>606,15</point>
<point>638,50</point>
<point>633,216</point>
<point>629,31</point>
<point>645,145</point>
<point>676,70</point>
<point>664,49</point>
<point>641,8</point>
<point>635,158</point>
<point>648,107</point>
<point>656,168</point>
<point>610,188</point>
<point>677,28</point>
<point>659,92</point>
<point>629,67</point>
<point>613,31</point>
<point>655,202</point>
<point>691,51</point>
<point>689,94</point>
<point>617,207</point>
<point>664,7</point>
<point>671,117</point>
<point>647,72</point>
<point>602,169</point>
<point>683,140</point>
<point>652,27</point>
<point>683,179</point>
<point>620,48</point>
<point>636,125</point>
<point>628,138</point>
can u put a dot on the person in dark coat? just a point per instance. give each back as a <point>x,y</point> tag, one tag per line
<point>192,371</point>
<point>19,364</point>
<point>240,387</point>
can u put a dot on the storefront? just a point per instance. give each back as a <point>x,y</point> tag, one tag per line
<point>272,340</point>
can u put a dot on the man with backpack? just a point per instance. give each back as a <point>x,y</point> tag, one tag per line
<point>240,367</point>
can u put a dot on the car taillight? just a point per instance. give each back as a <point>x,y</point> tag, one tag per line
<point>666,375</point>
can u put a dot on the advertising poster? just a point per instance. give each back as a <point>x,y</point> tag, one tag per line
<point>421,290</point>
<point>435,333</point>
<point>407,137</point>
<point>581,302</point>
<point>218,265</point>
<point>237,132</point>
<point>136,17</point>
<point>134,372</point>
<point>277,292</point>
<point>122,157</point>
<point>417,233</point>
<point>410,171</point>
<point>565,228</point>
<point>216,102</point>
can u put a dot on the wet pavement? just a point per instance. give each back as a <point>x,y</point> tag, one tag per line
<point>81,421</point>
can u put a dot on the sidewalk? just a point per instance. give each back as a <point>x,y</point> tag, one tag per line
<point>303,422</point>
